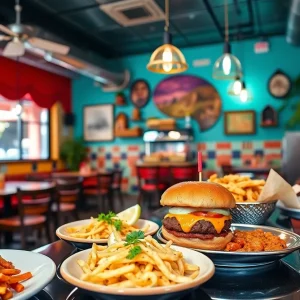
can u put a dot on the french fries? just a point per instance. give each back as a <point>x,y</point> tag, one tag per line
<point>10,279</point>
<point>242,187</point>
<point>142,263</point>
<point>100,230</point>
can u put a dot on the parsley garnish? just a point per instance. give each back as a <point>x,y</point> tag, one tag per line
<point>134,237</point>
<point>133,252</point>
<point>106,217</point>
<point>118,224</point>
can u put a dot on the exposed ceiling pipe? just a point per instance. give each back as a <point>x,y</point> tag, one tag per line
<point>109,75</point>
<point>293,25</point>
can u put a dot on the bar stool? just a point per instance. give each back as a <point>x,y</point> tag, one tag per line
<point>187,173</point>
<point>149,184</point>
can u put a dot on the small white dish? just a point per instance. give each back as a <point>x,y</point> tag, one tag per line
<point>71,272</point>
<point>42,269</point>
<point>62,233</point>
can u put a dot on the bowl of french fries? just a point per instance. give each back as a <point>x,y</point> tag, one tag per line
<point>246,192</point>
<point>137,267</point>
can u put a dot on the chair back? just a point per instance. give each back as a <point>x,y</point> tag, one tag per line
<point>117,177</point>
<point>38,177</point>
<point>36,202</point>
<point>105,180</point>
<point>186,173</point>
<point>164,174</point>
<point>147,174</point>
<point>69,190</point>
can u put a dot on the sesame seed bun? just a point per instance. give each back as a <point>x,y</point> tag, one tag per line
<point>198,194</point>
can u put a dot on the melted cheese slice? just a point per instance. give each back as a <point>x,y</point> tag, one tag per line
<point>188,221</point>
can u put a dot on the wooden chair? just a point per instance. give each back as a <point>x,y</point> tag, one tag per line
<point>68,192</point>
<point>150,187</point>
<point>117,184</point>
<point>33,214</point>
<point>102,191</point>
<point>187,173</point>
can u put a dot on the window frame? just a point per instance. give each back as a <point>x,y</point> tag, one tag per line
<point>20,136</point>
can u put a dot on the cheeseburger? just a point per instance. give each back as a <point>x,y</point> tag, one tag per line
<point>199,215</point>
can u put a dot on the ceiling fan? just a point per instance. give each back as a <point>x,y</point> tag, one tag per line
<point>21,37</point>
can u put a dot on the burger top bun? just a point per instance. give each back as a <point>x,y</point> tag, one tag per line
<point>198,194</point>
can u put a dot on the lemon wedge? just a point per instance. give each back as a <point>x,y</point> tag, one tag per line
<point>130,215</point>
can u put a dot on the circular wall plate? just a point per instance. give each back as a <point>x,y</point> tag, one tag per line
<point>279,84</point>
<point>140,93</point>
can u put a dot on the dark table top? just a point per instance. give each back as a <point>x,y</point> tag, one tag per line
<point>280,280</point>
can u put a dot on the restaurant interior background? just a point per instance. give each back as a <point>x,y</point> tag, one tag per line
<point>217,147</point>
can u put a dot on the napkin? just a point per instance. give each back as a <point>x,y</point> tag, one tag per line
<point>276,188</point>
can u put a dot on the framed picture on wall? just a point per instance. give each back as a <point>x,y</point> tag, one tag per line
<point>98,122</point>
<point>239,122</point>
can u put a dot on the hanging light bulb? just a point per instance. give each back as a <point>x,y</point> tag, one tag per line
<point>235,87</point>
<point>167,59</point>
<point>227,66</point>
<point>244,93</point>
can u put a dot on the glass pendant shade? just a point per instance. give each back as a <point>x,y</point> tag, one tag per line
<point>167,59</point>
<point>227,67</point>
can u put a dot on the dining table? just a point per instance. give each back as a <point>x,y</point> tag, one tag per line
<point>278,280</point>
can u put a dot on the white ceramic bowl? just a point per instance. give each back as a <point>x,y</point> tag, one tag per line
<point>42,268</point>
<point>71,272</point>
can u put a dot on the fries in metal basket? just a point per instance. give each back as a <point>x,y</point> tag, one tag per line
<point>10,279</point>
<point>138,261</point>
<point>242,187</point>
<point>102,227</point>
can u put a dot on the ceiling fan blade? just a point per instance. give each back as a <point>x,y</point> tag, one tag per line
<point>49,46</point>
<point>5,38</point>
<point>7,30</point>
<point>13,49</point>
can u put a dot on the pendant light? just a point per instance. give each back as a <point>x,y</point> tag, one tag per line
<point>167,59</point>
<point>227,67</point>
<point>236,86</point>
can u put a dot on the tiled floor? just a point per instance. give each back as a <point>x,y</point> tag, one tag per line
<point>90,211</point>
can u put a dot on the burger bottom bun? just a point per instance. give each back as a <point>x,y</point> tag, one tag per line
<point>217,243</point>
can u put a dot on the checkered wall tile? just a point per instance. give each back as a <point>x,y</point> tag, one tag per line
<point>214,155</point>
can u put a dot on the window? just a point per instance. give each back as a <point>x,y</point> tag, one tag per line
<point>24,130</point>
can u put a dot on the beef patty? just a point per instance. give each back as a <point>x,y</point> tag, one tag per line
<point>202,226</point>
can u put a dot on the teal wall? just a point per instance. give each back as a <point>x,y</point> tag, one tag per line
<point>257,70</point>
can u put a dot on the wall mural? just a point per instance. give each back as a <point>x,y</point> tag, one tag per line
<point>187,95</point>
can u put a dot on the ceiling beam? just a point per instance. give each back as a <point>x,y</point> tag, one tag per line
<point>214,18</point>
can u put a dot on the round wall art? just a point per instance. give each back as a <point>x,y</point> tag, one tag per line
<point>139,93</point>
<point>187,95</point>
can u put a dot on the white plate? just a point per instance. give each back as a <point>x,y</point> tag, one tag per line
<point>42,269</point>
<point>62,233</point>
<point>290,212</point>
<point>71,272</point>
